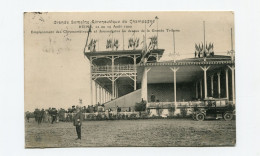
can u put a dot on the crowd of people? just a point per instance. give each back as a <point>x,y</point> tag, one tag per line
<point>53,115</point>
<point>41,115</point>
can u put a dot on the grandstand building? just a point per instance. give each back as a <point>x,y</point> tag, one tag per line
<point>123,77</point>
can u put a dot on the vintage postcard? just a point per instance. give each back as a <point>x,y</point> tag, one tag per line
<point>129,79</point>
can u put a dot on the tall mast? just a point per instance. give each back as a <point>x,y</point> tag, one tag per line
<point>173,35</point>
<point>231,40</point>
<point>232,52</point>
<point>173,42</point>
<point>89,30</point>
<point>157,31</point>
<point>98,44</point>
<point>123,40</point>
<point>204,36</point>
<point>145,37</point>
<point>144,51</point>
<point>134,40</point>
<point>112,41</point>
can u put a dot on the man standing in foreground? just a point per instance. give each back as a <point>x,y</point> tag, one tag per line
<point>77,121</point>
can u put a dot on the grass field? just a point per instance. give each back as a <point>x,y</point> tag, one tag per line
<point>151,132</point>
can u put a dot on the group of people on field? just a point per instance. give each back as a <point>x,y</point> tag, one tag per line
<point>42,115</point>
<point>73,114</point>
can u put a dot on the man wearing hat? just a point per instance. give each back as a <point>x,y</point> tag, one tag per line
<point>54,113</point>
<point>77,122</point>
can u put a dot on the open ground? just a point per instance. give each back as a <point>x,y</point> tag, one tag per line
<point>150,132</point>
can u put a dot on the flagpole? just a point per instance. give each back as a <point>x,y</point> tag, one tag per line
<point>157,31</point>
<point>134,40</point>
<point>112,41</point>
<point>204,36</point>
<point>98,44</point>
<point>173,31</point>
<point>89,30</point>
<point>123,41</point>
<point>231,40</point>
<point>145,36</point>
<point>232,52</point>
<point>144,51</point>
<point>173,42</point>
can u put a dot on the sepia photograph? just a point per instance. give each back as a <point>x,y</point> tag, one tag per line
<point>129,79</point>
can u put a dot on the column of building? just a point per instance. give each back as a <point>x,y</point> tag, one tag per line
<point>205,81</point>
<point>201,93</point>
<point>144,84</point>
<point>175,69</point>
<point>232,68</point>
<point>91,81</point>
<point>135,72</point>
<point>227,92</point>
<point>113,79</point>
<point>219,89</point>
<point>219,84</point>
<point>212,85</point>
<point>102,95</point>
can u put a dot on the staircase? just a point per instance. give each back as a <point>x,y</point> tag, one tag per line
<point>125,101</point>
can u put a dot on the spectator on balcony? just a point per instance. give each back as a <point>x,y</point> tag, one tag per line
<point>152,98</point>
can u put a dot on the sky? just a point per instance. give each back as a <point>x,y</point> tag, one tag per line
<point>56,71</point>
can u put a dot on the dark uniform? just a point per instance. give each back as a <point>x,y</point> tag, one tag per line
<point>27,115</point>
<point>153,98</point>
<point>42,115</point>
<point>53,114</point>
<point>35,115</point>
<point>77,122</point>
<point>38,116</point>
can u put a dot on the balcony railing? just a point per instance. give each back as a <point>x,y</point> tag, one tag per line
<point>116,68</point>
<point>171,104</point>
<point>162,105</point>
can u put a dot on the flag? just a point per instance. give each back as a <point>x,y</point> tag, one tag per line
<point>137,42</point>
<point>197,48</point>
<point>133,43</point>
<point>109,43</point>
<point>89,46</point>
<point>212,49</point>
<point>153,42</point>
<point>89,28</point>
<point>130,42</point>
<point>116,44</point>
<point>92,45</point>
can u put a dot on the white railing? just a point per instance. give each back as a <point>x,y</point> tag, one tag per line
<point>117,68</point>
<point>172,104</point>
<point>219,103</point>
